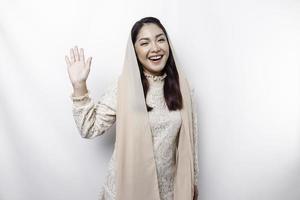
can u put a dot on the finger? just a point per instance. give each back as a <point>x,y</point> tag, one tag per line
<point>67,61</point>
<point>72,55</point>
<point>81,54</point>
<point>76,53</point>
<point>88,62</point>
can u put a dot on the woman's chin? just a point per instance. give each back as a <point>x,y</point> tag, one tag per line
<point>156,69</point>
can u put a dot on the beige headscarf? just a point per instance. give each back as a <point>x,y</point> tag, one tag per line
<point>136,176</point>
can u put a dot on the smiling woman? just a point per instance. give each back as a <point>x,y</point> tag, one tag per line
<point>155,155</point>
<point>152,48</point>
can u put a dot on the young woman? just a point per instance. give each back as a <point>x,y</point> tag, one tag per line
<point>155,155</point>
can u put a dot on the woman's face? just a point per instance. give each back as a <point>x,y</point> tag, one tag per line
<point>152,48</point>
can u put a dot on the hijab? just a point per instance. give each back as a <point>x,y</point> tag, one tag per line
<point>136,175</point>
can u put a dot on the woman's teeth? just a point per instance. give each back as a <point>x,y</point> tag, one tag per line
<point>155,58</point>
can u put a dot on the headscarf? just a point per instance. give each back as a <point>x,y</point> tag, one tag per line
<point>136,175</point>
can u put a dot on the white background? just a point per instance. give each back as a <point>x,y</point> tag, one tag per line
<point>242,58</point>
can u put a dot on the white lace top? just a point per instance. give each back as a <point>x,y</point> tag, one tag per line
<point>93,120</point>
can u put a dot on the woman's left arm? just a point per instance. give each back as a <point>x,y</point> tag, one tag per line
<point>195,134</point>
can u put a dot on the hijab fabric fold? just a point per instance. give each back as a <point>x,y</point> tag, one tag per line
<point>136,175</point>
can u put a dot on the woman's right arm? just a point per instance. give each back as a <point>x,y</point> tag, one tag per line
<point>91,119</point>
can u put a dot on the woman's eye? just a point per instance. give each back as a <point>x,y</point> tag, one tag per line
<point>161,39</point>
<point>143,44</point>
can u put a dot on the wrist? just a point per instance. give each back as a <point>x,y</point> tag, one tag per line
<point>79,85</point>
<point>79,90</point>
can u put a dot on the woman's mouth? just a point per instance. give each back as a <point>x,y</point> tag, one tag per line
<point>155,59</point>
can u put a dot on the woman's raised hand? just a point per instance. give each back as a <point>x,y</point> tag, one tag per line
<point>78,68</point>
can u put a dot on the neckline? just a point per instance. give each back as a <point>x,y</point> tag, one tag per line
<point>155,77</point>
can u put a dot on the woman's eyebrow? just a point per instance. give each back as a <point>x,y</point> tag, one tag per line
<point>148,38</point>
<point>158,35</point>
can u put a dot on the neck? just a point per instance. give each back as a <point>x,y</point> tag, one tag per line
<point>153,73</point>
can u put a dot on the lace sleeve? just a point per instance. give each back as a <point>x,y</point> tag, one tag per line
<point>195,127</point>
<point>93,119</point>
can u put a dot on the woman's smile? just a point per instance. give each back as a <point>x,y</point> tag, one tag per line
<point>156,59</point>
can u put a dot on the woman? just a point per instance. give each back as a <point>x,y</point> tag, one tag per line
<point>155,155</point>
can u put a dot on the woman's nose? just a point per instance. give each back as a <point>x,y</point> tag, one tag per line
<point>155,47</point>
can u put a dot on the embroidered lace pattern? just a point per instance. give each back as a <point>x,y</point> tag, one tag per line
<point>93,119</point>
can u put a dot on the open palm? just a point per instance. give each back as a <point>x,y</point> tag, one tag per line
<point>78,68</point>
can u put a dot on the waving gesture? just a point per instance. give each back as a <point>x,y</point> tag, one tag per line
<point>78,68</point>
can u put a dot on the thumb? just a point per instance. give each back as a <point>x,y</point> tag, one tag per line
<point>88,62</point>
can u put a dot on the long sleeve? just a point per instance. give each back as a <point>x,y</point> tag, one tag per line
<point>93,119</point>
<point>195,127</point>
